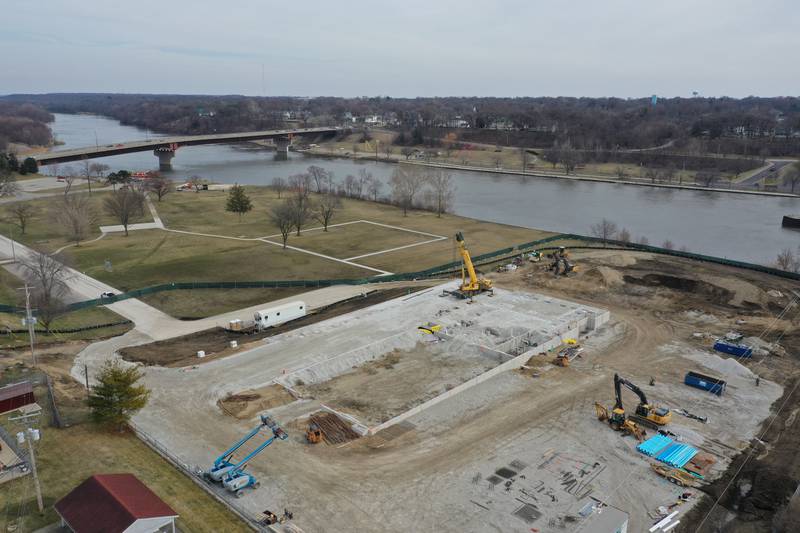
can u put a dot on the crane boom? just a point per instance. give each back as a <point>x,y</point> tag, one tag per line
<point>473,277</point>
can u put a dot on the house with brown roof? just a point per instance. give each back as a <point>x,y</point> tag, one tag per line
<point>115,503</point>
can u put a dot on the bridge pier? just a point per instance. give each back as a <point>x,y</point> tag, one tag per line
<point>164,156</point>
<point>282,144</point>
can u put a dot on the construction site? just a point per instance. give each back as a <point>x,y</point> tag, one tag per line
<point>597,390</point>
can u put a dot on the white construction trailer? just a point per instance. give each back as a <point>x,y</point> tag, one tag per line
<point>279,314</point>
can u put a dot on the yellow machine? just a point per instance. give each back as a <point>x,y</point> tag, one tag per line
<point>619,422</point>
<point>674,475</point>
<point>430,329</point>
<point>314,434</point>
<point>645,413</point>
<point>471,284</point>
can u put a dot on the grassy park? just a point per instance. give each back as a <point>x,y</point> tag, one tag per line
<point>66,457</point>
<point>203,242</point>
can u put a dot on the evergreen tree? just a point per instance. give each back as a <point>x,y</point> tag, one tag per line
<point>29,166</point>
<point>117,397</point>
<point>238,201</point>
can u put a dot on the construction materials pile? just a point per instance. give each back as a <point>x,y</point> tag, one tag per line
<point>334,430</point>
<point>664,449</point>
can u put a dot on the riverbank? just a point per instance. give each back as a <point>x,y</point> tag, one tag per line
<point>536,173</point>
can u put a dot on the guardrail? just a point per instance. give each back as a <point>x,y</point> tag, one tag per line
<point>439,270</point>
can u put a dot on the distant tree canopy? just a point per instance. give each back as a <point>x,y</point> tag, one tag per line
<point>695,125</point>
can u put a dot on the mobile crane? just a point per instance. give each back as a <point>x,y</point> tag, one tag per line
<point>474,285</point>
<point>645,414</point>
<point>230,472</point>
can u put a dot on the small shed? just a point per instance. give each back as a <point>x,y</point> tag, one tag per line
<point>15,396</point>
<point>115,503</point>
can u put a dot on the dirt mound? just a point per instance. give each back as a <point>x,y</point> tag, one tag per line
<point>698,287</point>
<point>246,405</point>
<point>604,276</point>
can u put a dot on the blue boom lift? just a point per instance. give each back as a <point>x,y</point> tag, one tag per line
<point>230,472</point>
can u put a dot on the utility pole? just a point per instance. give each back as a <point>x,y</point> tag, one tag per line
<point>33,434</point>
<point>29,321</point>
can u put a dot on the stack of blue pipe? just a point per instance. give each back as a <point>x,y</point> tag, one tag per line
<point>677,455</point>
<point>654,444</point>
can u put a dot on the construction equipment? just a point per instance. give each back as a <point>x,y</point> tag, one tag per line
<point>646,414</point>
<point>430,329</point>
<point>474,285</point>
<point>314,434</point>
<point>560,264</point>
<point>619,422</point>
<point>565,355</point>
<point>230,472</point>
<point>674,475</point>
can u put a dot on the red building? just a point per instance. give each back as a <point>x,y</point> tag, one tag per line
<point>115,503</point>
<point>15,396</point>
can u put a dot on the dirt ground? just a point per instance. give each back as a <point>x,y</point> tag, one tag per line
<point>182,351</point>
<point>246,405</point>
<point>438,473</point>
<point>694,302</point>
<point>398,381</point>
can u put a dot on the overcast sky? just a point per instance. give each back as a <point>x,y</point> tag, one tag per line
<point>409,48</point>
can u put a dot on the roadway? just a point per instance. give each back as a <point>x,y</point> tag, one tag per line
<point>772,170</point>
<point>89,152</point>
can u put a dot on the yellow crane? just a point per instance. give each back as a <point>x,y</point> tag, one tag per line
<point>471,284</point>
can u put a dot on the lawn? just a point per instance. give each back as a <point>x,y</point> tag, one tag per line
<point>86,317</point>
<point>152,257</point>
<point>357,239</point>
<point>43,230</point>
<point>66,457</point>
<point>200,303</point>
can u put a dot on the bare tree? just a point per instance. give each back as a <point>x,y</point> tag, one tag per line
<point>350,185</point>
<point>407,151</point>
<point>569,157</point>
<point>76,216</point>
<point>620,172</point>
<point>374,188</point>
<point>791,176</point>
<point>319,176</point>
<point>160,186</point>
<point>787,260</point>
<point>8,181</point>
<point>279,185</point>
<point>86,171</point>
<point>668,245</point>
<point>98,170</point>
<point>69,179</point>
<point>624,235</point>
<point>644,240</point>
<point>441,181</point>
<point>123,205</point>
<point>196,182</point>
<point>48,275</point>
<point>406,183</point>
<point>300,186</point>
<point>707,178</point>
<point>21,213</point>
<point>325,208</point>
<point>282,215</point>
<point>604,230</point>
<point>364,177</point>
<point>388,150</point>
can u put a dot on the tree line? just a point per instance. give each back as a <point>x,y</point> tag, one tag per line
<point>317,195</point>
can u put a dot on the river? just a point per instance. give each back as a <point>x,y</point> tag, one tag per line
<point>736,226</point>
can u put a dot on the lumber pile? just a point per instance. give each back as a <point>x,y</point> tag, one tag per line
<point>334,430</point>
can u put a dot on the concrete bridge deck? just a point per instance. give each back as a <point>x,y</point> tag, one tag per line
<point>168,145</point>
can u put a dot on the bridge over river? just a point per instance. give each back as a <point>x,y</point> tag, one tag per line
<point>164,148</point>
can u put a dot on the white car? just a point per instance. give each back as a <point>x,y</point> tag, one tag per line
<point>107,294</point>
